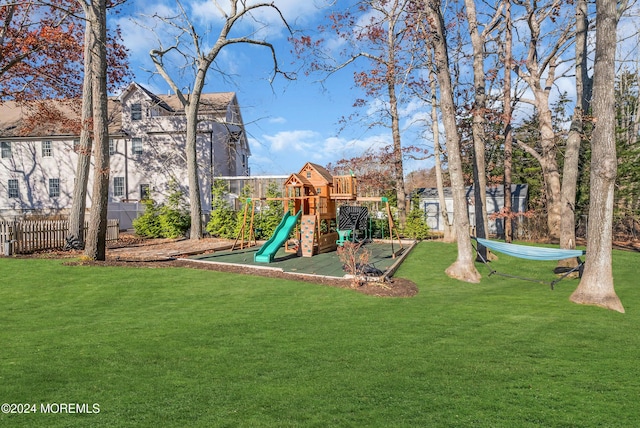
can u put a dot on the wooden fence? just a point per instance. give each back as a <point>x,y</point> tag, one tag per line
<point>35,235</point>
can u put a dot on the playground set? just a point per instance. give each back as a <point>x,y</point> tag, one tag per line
<point>321,213</point>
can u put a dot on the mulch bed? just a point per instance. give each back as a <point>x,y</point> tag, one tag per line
<point>395,287</point>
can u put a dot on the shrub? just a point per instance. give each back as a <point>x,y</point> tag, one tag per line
<point>164,221</point>
<point>270,215</point>
<point>148,224</point>
<point>354,260</point>
<point>416,227</point>
<point>222,223</point>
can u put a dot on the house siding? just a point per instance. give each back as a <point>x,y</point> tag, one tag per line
<point>221,149</point>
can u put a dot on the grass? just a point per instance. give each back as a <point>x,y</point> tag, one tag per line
<point>180,347</point>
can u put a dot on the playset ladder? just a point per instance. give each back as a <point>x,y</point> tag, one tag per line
<point>307,234</point>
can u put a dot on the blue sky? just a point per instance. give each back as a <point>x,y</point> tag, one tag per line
<point>288,122</point>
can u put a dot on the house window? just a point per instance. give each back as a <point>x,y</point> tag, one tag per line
<point>47,151</point>
<point>136,146</point>
<point>54,187</point>
<point>308,174</point>
<point>145,192</point>
<point>112,146</point>
<point>154,112</point>
<point>136,111</point>
<point>6,150</point>
<point>118,186</point>
<point>12,187</point>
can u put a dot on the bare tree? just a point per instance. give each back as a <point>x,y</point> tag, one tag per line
<point>75,234</point>
<point>596,286</point>
<point>463,268</point>
<point>96,16</point>
<point>478,41</point>
<point>570,169</point>
<point>379,34</point>
<point>539,69</point>
<point>507,111</point>
<point>201,60</point>
<point>449,231</point>
<point>116,72</point>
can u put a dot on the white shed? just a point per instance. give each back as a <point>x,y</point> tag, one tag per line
<point>430,204</point>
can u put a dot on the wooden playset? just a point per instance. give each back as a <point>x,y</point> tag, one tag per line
<point>312,196</point>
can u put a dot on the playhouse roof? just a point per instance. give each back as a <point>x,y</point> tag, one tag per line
<point>297,179</point>
<point>322,171</point>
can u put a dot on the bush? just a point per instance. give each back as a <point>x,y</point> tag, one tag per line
<point>270,215</point>
<point>148,224</point>
<point>223,222</point>
<point>416,227</point>
<point>354,259</point>
<point>164,221</point>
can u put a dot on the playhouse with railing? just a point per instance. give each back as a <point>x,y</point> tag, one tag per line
<point>311,225</point>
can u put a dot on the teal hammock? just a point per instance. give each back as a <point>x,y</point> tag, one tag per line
<point>531,253</point>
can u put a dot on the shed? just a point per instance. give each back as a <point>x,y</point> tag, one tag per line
<point>430,205</point>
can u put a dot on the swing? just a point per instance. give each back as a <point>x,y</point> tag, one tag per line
<point>531,253</point>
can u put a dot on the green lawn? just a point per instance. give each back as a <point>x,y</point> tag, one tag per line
<point>186,348</point>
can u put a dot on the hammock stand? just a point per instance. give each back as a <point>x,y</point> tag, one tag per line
<point>531,253</point>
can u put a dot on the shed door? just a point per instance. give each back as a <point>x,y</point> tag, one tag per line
<point>431,215</point>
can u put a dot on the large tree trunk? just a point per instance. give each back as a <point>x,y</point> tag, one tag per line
<point>549,164</point>
<point>97,234</point>
<point>191,150</point>
<point>478,125</point>
<point>463,268</point>
<point>75,236</point>
<point>574,141</point>
<point>449,231</point>
<point>596,286</point>
<point>192,168</point>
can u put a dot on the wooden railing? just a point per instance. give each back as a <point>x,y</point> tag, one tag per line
<point>344,187</point>
<point>27,236</point>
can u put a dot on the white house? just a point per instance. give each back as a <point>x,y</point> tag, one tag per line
<point>147,140</point>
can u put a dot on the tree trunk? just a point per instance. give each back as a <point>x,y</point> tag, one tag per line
<point>449,231</point>
<point>508,136</point>
<point>97,234</point>
<point>191,150</point>
<point>549,164</point>
<point>75,236</point>
<point>574,140</point>
<point>398,168</point>
<point>478,125</point>
<point>463,268</point>
<point>596,286</point>
<point>195,203</point>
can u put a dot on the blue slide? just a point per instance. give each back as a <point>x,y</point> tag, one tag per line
<point>266,253</point>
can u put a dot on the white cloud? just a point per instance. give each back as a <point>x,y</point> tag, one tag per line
<point>278,119</point>
<point>298,141</point>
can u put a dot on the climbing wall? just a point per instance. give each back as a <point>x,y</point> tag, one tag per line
<point>307,231</point>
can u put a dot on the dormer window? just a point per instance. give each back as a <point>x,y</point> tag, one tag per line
<point>136,111</point>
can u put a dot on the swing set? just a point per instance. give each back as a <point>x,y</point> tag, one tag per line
<point>312,195</point>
